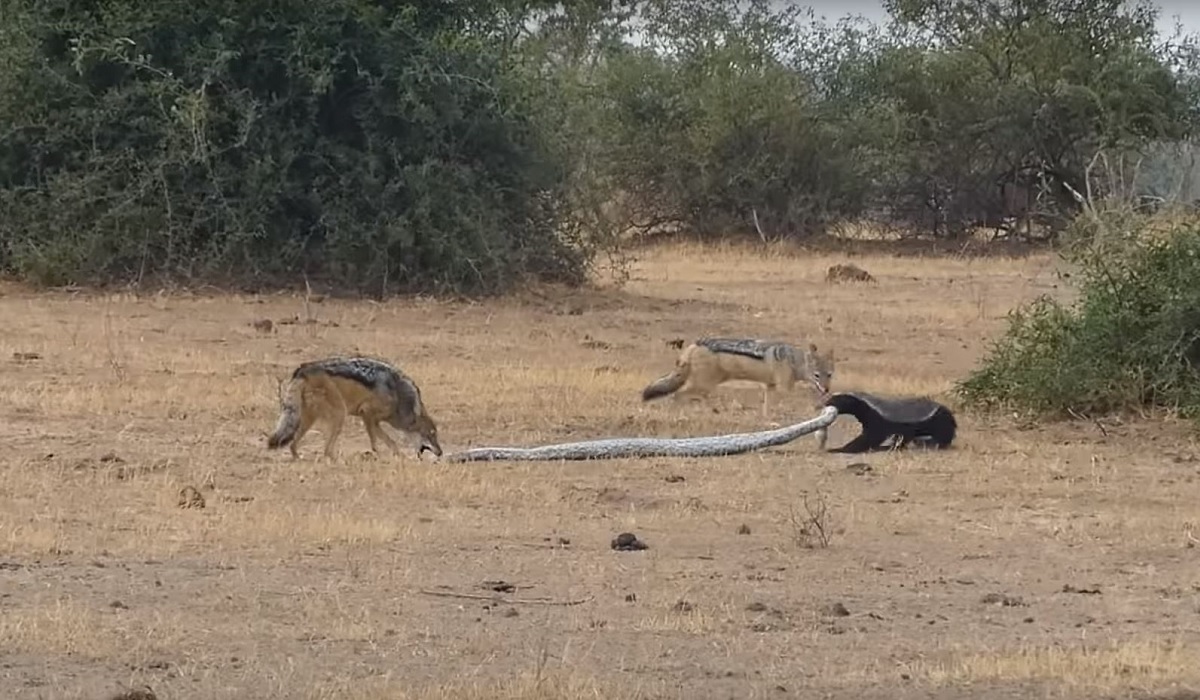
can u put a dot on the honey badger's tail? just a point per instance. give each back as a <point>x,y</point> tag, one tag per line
<point>670,383</point>
<point>289,416</point>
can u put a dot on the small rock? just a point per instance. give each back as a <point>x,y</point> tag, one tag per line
<point>594,344</point>
<point>683,606</point>
<point>143,693</point>
<point>1002,600</point>
<point>190,497</point>
<point>859,468</point>
<point>674,479</point>
<point>838,610</point>
<point>743,529</point>
<point>628,542</point>
<point>263,325</point>
<point>848,272</point>
<point>631,597</point>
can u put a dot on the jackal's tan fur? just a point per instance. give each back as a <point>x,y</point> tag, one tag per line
<point>331,389</point>
<point>709,362</point>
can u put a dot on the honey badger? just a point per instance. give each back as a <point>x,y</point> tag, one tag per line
<point>909,420</point>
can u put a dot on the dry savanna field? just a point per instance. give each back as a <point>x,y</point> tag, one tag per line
<point>1052,560</point>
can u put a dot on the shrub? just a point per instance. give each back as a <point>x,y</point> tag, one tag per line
<point>380,146</point>
<point>1132,340</point>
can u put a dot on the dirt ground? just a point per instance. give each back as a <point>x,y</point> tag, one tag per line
<point>1030,561</point>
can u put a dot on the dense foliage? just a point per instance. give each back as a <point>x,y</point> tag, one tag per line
<point>1131,341</point>
<point>466,146</point>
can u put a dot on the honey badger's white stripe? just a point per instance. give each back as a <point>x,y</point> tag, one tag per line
<point>618,448</point>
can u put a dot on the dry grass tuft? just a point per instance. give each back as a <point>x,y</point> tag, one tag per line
<point>1144,663</point>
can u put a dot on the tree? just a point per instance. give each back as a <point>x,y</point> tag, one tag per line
<point>998,96</point>
<point>382,146</point>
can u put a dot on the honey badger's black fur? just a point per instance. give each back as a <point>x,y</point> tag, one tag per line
<point>909,420</point>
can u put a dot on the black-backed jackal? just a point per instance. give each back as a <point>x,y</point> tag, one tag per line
<point>331,389</point>
<point>709,362</point>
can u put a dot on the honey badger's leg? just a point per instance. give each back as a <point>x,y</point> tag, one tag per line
<point>822,438</point>
<point>865,442</point>
<point>874,432</point>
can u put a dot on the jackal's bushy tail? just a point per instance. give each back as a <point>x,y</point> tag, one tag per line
<point>289,417</point>
<point>668,383</point>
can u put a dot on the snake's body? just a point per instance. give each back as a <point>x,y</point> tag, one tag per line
<point>624,448</point>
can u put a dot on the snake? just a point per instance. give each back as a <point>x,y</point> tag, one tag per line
<point>641,447</point>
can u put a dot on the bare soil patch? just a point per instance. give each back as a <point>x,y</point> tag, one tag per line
<point>148,539</point>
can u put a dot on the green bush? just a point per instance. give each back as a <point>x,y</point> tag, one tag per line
<point>382,147</point>
<point>1132,340</point>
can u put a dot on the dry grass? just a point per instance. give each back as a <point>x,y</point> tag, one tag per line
<point>1052,560</point>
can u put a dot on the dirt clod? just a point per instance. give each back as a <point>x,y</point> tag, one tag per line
<point>143,693</point>
<point>838,610</point>
<point>1003,600</point>
<point>628,542</point>
<point>847,272</point>
<point>190,497</point>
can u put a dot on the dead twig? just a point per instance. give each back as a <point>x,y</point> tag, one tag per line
<point>501,599</point>
<point>763,236</point>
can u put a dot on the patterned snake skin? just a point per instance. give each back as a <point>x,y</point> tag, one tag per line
<point>618,448</point>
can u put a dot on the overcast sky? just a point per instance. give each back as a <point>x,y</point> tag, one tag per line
<point>1188,12</point>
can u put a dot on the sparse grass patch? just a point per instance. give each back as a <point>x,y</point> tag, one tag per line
<point>1145,663</point>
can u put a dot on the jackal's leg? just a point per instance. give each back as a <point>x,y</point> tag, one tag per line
<point>335,418</point>
<point>691,392</point>
<point>375,432</point>
<point>370,428</point>
<point>307,419</point>
<point>335,422</point>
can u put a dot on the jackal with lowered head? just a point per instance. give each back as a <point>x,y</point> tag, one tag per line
<point>709,362</point>
<point>333,388</point>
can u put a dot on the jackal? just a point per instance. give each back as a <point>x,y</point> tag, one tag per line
<point>331,389</point>
<point>708,362</point>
